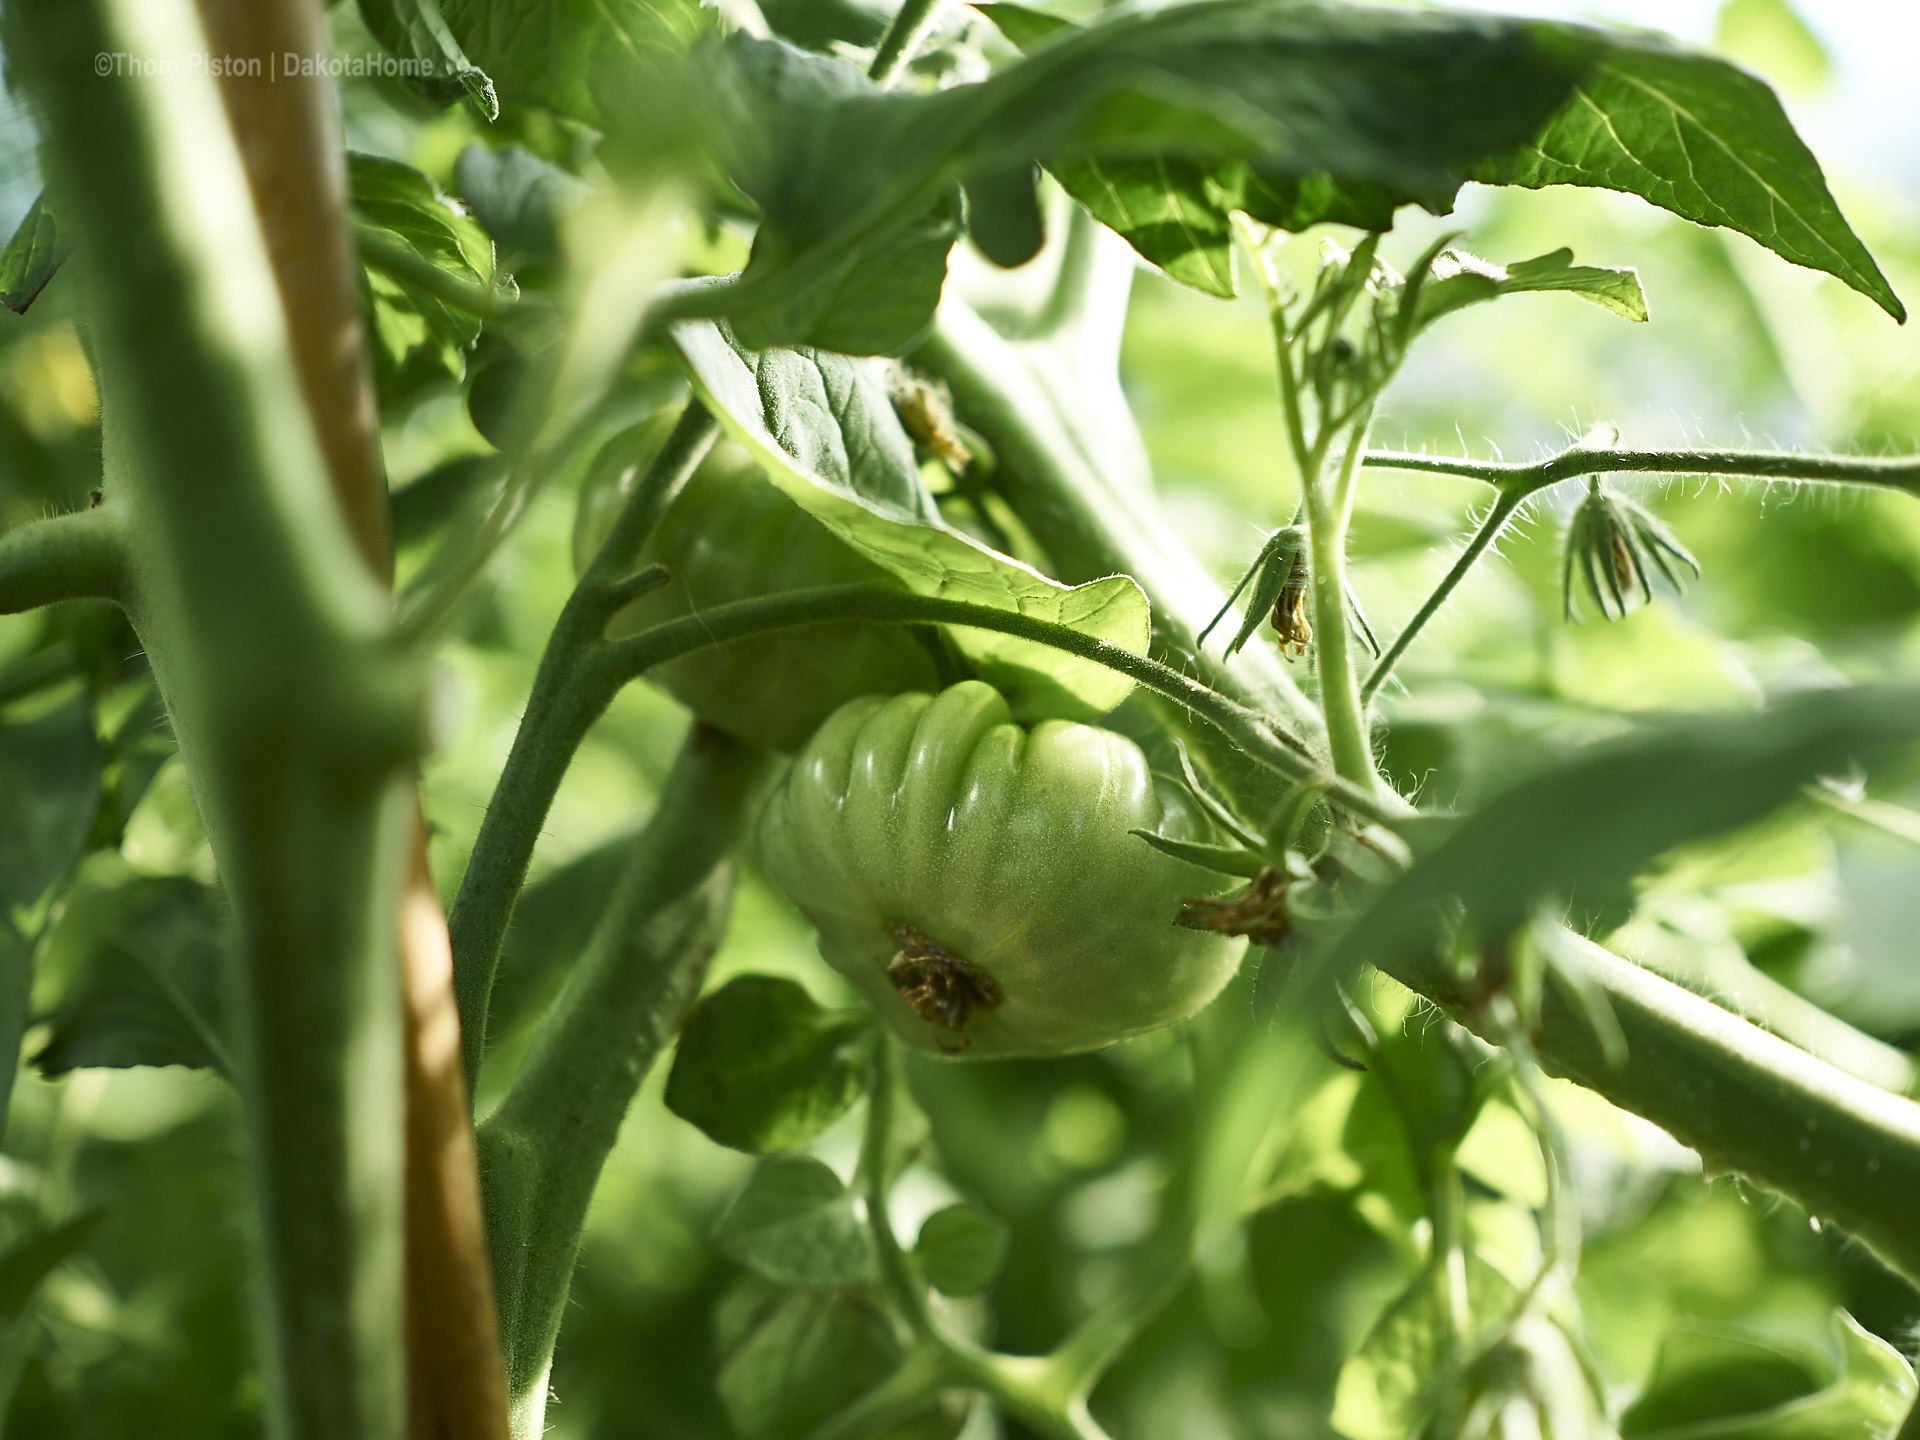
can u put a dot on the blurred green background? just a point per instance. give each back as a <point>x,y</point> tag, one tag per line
<point>143,1333</point>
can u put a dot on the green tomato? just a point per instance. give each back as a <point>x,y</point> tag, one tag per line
<point>732,536</point>
<point>978,882</point>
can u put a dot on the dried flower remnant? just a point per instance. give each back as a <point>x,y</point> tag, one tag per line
<point>937,984</point>
<point>1259,912</point>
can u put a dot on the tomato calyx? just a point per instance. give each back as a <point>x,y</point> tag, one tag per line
<point>1259,912</point>
<point>937,984</point>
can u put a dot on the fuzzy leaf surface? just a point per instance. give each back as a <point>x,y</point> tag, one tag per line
<point>405,206</point>
<point>37,249</point>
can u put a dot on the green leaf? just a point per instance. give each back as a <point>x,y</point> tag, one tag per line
<point>961,1249</point>
<point>795,1224</point>
<point>518,197</point>
<point>415,29</point>
<point>36,250</point>
<point>1706,140</point>
<point>762,1068</point>
<point>1734,1387</point>
<point>553,919</point>
<point>1003,216</point>
<point>550,52</point>
<point>1226,859</point>
<point>404,206</point>
<point>1459,280</point>
<point>789,1360</point>
<point>1167,209</point>
<point>29,1261</point>
<point>50,786</point>
<point>1587,826</point>
<point>855,185</point>
<point>1386,1390</point>
<point>132,976</point>
<point>823,429</point>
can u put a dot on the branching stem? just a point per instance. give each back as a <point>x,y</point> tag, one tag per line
<point>70,557</point>
<point>1523,479</point>
<point>559,713</point>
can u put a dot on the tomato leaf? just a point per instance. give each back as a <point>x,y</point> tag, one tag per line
<point>1587,826</point>
<point>415,29</point>
<point>1459,280</point>
<point>26,1263</point>
<point>795,1224</point>
<point>790,1359</point>
<point>131,976</point>
<point>1746,1388</point>
<point>50,785</point>
<point>37,249</point>
<point>1700,137</point>
<point>961,1249</point>
<point>823,429</point>
<point>405,206</point>
<point>761,1067</point>
<point>518,197</point>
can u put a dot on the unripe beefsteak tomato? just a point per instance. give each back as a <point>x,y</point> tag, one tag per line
<point>732,536</point>
<point>978,882</point>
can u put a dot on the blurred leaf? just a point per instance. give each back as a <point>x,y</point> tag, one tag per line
<point>961,1249</point>
<point>1003,216</point>
<point>789,1360</point>
<point>1704,139</point>
<point>28,1262</point>
<point>1386,1390</point>
<point>49,789</point>
<point>761,1067</point>
<point>817,24</point>
<point>1731,1387</point>
<point>553,919</point>
<point>1584,828</point>
<point>1429,1076</point>
<point>842,456</point>
<point>415,29</point>
<point>36,250</point>
<point>518,197</point>
<point>795,1224</point>
<point>404,206</point>
<point>132,977</point>
<point>1167,209</point>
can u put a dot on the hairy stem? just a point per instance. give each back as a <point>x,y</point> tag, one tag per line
<point>295,715</point>
<point>1845,1150</point>
<point>904,35</point>
<point>82,556</point>
<point>559,713</point>
<point>1329,506</point>
<point>542,1151</point>
<point>1490,528</point>
<point>1524,479</point>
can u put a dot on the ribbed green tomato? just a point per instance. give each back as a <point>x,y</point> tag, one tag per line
<point>978,882</point>
<point>732,536</point>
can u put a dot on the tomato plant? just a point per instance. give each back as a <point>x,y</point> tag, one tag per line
<point>982,885</point>
<point>1452,983</point>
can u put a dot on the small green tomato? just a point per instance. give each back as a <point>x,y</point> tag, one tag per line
<point>978,882</point>
<point>732,536</point>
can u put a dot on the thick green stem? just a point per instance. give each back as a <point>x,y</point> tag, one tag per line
<point>559,714</point>
<point>909,27</point>
<point>1515,478</point>
<point>1329,505</point>
<point>1845,1150</point>
<point>268,635</point>
<point>1490,528</point>
<point>82,556</point>
<point>542,1151</point>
